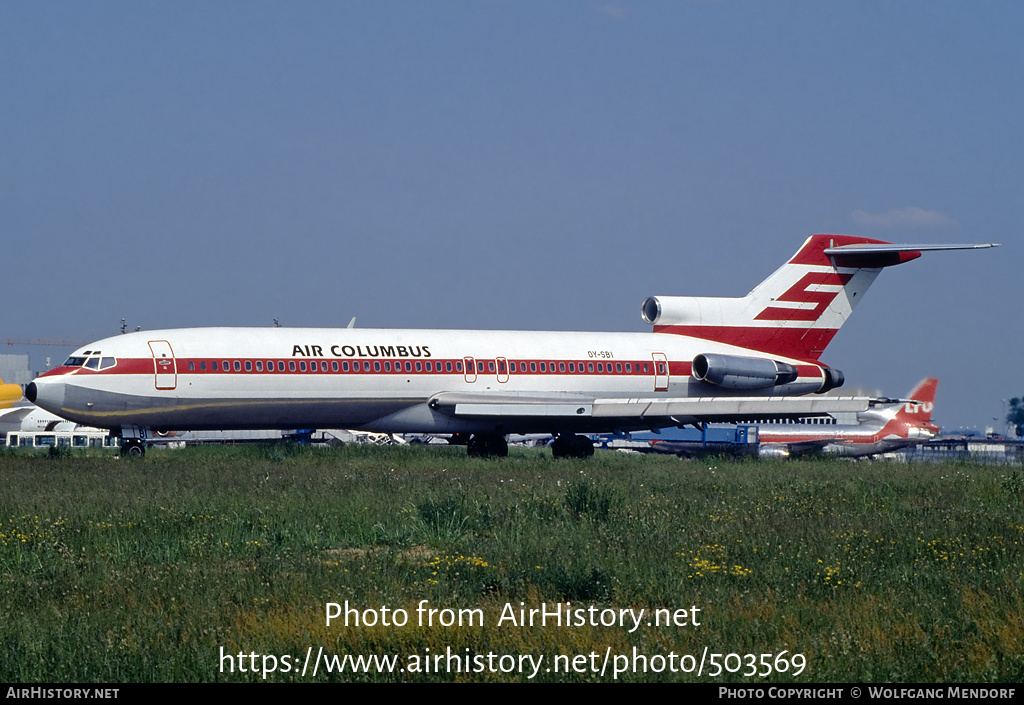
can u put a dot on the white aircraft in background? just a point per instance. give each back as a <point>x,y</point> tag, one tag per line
<point>880,429</point>
<point>708,359</point>
<point>34,419</point>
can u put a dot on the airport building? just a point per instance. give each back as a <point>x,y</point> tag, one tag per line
<point>14,369</point>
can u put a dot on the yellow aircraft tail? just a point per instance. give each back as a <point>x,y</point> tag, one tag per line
<point>9,394</point>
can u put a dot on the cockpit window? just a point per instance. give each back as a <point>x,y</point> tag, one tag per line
<point>91,361</point>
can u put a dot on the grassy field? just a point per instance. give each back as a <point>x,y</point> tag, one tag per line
<point>155,570</point>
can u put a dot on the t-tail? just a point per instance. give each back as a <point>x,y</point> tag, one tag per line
<point>796,311</point>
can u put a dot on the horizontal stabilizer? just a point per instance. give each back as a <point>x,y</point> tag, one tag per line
<point>874,255</point>
<point>868,248</point>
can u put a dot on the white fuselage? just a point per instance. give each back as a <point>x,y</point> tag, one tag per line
<point>376,380</point>
<point>34,419</point>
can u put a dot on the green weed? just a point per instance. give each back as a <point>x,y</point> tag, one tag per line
<point>143,571</point>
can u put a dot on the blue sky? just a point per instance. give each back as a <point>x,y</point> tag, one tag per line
<point>521,165</point>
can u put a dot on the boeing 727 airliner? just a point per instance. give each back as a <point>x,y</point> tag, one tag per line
<point>708,359</point>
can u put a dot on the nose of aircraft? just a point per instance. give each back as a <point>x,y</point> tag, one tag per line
<point>46,393</point>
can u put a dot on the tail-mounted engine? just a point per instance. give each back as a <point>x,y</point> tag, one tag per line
<point>693,310</point>
<point>833,379</point>
<point>735,372</point>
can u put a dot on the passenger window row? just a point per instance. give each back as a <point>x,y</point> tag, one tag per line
<point>467,366</point>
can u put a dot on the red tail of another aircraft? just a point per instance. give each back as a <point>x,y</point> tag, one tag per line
<point>919,411</point>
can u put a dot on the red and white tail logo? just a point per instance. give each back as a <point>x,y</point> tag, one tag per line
<point>796,311</point>
<point>808,299</point>
<point>920,409</point>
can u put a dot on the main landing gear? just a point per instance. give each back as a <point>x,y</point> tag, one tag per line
<point>487,445</point>
<point>572,446</point>
<point>494,445</point>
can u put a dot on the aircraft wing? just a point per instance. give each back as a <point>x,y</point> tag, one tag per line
<point>644,411</point>
<point>11,420</point>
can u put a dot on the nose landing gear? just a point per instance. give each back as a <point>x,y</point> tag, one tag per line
<point>133,448</point>
<point>133,441</point>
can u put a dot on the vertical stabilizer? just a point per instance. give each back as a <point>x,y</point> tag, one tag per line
<point>797,310</point>
<point>919,411</point>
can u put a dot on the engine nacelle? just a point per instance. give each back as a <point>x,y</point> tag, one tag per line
<point>693,310</point>
<point>833,379</point>
<point>773,452</point>
<point>735,372</point>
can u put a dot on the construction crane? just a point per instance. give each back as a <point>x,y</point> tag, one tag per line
<point>57,342</point>
<point>44,341</point>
